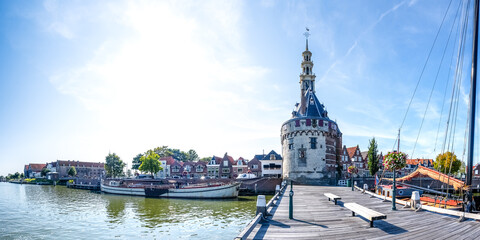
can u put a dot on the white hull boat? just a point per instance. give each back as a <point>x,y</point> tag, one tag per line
<point>196,191</point>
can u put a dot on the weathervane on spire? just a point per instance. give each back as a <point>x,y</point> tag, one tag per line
<point>306,34</point>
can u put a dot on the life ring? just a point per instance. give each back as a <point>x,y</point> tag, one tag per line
<point>400,192</point>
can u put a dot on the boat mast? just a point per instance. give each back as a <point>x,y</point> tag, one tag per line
<point>473,93</point>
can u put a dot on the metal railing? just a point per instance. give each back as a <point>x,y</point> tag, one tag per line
<point>259,217</point>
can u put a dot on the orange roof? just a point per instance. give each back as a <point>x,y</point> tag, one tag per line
<point>37,167</point>
<point>351,151</point>
<point>170,160</point>
<point>418,161</point>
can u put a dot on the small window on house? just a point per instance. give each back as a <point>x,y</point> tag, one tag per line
<point>255,166</point>
<point>225,163</point>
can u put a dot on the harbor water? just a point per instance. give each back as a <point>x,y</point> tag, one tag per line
<point>57,212</point>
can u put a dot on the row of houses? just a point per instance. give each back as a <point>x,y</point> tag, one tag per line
<point>352,156</point>
<point>59,169</point>
<point>261,165</point>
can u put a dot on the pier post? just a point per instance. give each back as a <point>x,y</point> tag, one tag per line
<point>277,190</point>
<point>261,206</point>
<point>365,187</point>
<point>415,200</point>
<point>290,204</point>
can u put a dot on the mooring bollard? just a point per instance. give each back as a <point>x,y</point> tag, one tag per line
<point>365,187</point>
<point>261,206</point>
<point>415,200</point>
<point>290,204</point>
<point>277,190</point>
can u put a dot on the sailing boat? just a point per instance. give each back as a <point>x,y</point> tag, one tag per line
<point>468,201</point>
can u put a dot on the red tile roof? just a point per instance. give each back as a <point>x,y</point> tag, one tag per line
<point>218,160</point>
<point>419,160</point>
<point>351,151</point>
<point>170,160</point>
<point>37,167</point>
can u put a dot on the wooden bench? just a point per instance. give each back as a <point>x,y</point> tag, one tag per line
<point>365,212</point>
<point>332,197</point>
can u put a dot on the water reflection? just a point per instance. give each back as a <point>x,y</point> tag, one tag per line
<point>115,208</point>
<point>57,212</point>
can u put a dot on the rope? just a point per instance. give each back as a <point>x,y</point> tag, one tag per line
<point>425,64</point>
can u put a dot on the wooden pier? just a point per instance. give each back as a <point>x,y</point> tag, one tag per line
<point>314,217</point>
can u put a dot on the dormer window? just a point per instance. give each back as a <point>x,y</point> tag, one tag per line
<point>272,157</point>
<point>225,163</point>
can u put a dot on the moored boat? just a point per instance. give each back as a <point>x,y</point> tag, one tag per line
<point>171,189</point>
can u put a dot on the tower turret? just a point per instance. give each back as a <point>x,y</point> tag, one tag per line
<point>311,141</point>
<point>307,78</point>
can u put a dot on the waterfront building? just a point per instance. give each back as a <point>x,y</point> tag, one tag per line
<point>272,165</point>
<point>33,170</point>
<point>225,168</point>
<point>200,169</point>
<point>213,167</point>
<point>165,163</point>
<point>176,169</point>
<point>311,141</point>
<point>84,169</point>
<point>240,166</point>
<point>255,166</point>
<point>412,164</point>
<point>476,171</point>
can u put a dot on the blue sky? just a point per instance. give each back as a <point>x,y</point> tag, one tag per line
<point>82,78</point>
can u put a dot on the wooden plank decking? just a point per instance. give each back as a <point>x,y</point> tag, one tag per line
<point>315,218</point>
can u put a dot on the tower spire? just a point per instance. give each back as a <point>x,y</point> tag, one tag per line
<point>307,77</point>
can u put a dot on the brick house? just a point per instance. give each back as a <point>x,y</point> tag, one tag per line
<point>476,171</point>
<point>255,166</point>
<point>413,163</point>
<point>226,167</point>
<point>34,170</point>
<point>176,169</point>
<point>84,169</point>
<point>213,167</point>
<point>240,166</point>
<point>200,169</point>
<point>345,161</point>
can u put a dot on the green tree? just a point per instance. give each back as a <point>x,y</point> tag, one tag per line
<point>22,175</point>
<point>445,160</point>
<point>179,155</point>
<point>163,151</point>
<point>136,161</point>
<point>205,159</point>
<point>373,157</point>
<point>72,171</point>
<point>114,165</point>
<point>192,155</point>
<point>44,172</point>
<point>150,163</point>
<point>16,175</point>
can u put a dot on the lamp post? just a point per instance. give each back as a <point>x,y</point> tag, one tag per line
<point>290,204</point>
